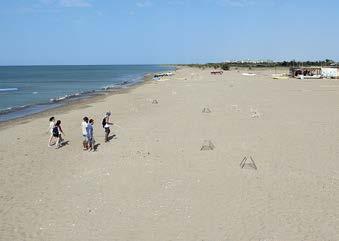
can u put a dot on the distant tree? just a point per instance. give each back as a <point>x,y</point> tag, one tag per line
<point>268,64</point>
<point>225,67</point>
<point>329,61</point>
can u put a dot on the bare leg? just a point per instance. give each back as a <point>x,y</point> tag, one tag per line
<point>50,140</point>
<point>85,144</point>
<point>58,142</point>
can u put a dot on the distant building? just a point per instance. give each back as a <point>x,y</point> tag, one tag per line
<point>314,72</point>
<point>305,72</point>
<point>330,72</point>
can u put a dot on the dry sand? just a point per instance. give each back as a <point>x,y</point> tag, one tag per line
<point>153,182</point>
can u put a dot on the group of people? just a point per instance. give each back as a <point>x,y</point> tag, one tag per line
<point>56,132</point>
<point>87,128</point>
<point>87,133</point>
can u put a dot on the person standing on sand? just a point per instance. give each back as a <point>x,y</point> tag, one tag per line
<point>50,130</point>
<point>84,125</point>
<point>106,124</point>
<point>90,136</point>
<point>57,131</point>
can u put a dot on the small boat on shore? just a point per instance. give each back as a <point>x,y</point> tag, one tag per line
<point>280,76</point>
<point>248,74</point>
<point>309,77</point>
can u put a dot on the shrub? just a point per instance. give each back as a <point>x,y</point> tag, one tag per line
<point>225,67</point>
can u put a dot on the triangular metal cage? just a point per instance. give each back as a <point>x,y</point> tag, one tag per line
<point>248,163</point>
<point>207,146</point>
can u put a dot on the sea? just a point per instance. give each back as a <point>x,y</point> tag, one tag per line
<point>27,90</point>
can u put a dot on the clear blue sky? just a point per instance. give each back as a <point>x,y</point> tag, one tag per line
<point>166,31</point>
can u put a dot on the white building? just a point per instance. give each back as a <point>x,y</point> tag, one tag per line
<point>330,72</point>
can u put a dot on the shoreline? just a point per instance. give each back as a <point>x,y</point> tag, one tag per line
<point>79,103</point>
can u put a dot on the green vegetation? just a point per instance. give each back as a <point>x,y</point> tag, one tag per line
<point>262,64</point>
<point>225,67</point>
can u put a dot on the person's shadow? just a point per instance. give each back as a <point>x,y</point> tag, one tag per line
<point>96,146</point>
<point>112,137</point>
<point>64,143</point>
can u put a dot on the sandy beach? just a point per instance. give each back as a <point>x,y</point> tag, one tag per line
<point>153,181</point>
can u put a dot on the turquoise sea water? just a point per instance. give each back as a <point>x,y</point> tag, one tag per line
<point>26,90</point>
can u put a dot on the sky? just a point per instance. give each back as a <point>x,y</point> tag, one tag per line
<point>53,32</point>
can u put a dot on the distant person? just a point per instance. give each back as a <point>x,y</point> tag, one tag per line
<point>50,130</point>
<point>106,124</point>
<point>90,135</point>
<point>84,125</point>
<point>57,131</point>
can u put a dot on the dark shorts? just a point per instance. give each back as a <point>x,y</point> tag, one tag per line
<point>56,135</point>
<point>107,130</point>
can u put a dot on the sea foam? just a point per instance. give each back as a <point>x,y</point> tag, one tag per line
<point>8,89</point>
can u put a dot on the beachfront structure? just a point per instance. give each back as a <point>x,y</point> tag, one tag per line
<point>330,72</point>
<point>305,71</point>
<point>314,72</point>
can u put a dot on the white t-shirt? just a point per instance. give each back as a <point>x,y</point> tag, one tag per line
<point>51,125</point>
<point>83,128</point>
<point>107,120</point>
